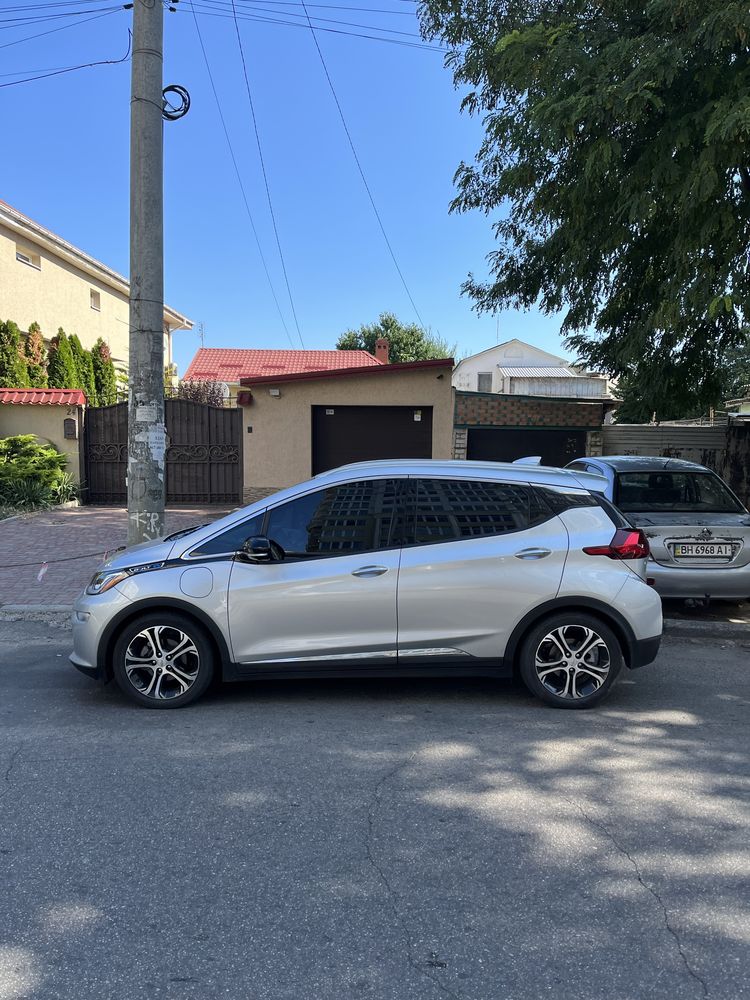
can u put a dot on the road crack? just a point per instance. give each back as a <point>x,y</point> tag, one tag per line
<point>649,889</point>
<point>9,769</point>
<point>393,899</point>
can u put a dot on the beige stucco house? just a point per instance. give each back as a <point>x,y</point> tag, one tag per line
<point>45,279</point>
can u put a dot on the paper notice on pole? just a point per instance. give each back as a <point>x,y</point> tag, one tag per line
<point>146,412</point>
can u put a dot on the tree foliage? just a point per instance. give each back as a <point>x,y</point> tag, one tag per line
<point>35,356</point>
<point>406,341</point>
<point>616,167</point>
<point>83,364</point>
<point>13,373</point>
<point>105,381</point>
<point>61,367</point>
<point>201,391</point>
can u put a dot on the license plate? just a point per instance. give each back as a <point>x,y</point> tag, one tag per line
<point>703,550</point>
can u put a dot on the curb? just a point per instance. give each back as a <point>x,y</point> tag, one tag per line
<point>36,609</point>
<point>680,628</point>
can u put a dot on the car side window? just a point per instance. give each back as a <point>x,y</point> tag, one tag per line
<point>342,519</point>
<point>450,509</point>
<point>230,541</point>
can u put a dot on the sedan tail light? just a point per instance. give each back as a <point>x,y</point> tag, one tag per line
<point>627,543</point>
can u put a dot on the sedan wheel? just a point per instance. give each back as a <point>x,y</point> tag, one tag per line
<point>163,660</point>
<point>571,660</point>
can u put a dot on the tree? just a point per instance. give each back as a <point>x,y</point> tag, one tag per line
<point>617,166</point>
<point>61,369</point>
<point>13,373</point>
<point>105,384</point>
<point>84,368</point>
<point>202,391</point>
<point>35,356</point>
<point>406,342</point>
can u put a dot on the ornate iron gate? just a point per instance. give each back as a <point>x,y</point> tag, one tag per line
<point>203,459</point>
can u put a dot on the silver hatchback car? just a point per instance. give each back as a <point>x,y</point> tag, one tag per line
<point>377,569</point>
<point>698,530</point>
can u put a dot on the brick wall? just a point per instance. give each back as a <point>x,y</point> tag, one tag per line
<point>480,409</point>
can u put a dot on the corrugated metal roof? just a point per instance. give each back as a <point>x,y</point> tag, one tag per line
<point>230,365</point>
<point>550,372</point>
<point>44,397</point>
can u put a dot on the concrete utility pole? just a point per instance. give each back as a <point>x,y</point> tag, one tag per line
<point>146,431</point>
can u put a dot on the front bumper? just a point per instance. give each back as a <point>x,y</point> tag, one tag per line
<point>729,583</point>
<point>91,615</point>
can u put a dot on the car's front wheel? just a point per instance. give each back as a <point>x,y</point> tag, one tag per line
<point>163,660</point>
<point>570,660</point>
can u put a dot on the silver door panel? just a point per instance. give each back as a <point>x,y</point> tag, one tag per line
<point>467,596</point>
<point>314,608</point>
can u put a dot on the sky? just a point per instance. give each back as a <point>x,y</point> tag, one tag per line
<point>65,164</point>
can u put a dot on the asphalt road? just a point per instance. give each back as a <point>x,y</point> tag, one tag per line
<point>394,840</point>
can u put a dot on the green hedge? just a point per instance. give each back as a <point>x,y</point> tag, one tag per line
<point>32,473</point>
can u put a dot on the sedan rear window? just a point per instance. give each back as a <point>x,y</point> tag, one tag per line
<point>674,491</point>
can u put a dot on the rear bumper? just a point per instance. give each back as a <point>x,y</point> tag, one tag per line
<point>644,651</point>
<point>700,581</point>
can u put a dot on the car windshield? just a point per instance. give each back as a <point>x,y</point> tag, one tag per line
<point>674,491</point>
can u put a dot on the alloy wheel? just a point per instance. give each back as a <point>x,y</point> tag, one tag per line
<point>162,662</point>
<point>572,661</point>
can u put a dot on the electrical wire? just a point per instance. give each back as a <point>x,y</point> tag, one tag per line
<point>335,31</point>
<point>252,4</point>
<point>239,176</point>
<point>327,20</point>
<point>265,177</point>
<point>71,69</point>
<point>360,169</point>
<point>63,559</point>
<point>51,31</point>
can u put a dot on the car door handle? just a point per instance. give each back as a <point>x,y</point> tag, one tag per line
<point>370,571</point>
<point>533,553</point>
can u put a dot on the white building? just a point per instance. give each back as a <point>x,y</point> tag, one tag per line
<point>517,368</point>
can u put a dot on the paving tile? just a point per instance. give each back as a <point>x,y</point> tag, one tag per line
<point>79,535</point>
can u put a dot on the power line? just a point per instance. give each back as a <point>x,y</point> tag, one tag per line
<point>265,176</point>
<point>239,176</point>
<point>359,167</point>
<point>71,69</point>
<point>17,22</point>
<point>335,31</point>
<point>328,20</point>
<point>251,4</point>
<point>51,31</point>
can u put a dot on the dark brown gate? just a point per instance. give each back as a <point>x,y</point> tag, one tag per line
<point>344,434</point>
<point>203,458</point>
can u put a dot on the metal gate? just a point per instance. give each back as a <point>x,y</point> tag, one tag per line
<point>506,444</point>
<point>344,434</point>
<point>203,457</point>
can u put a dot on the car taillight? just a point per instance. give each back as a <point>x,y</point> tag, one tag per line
<point>627,543</point>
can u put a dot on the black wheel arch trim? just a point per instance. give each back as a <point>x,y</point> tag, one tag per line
<point>109,636</point>
<point>612,617</point>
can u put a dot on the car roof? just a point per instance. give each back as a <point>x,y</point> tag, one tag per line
<point>647,463</point>
<point>461,468</point>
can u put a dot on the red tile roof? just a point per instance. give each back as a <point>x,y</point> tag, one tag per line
<point>346,373</point>
<point>44,397</point>
<point>229,365</point>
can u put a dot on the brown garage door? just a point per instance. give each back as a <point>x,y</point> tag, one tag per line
<point>344,434</point>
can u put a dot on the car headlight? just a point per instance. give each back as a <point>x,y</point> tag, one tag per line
<point>108,578</point>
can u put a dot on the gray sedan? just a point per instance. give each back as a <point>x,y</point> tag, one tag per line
<point>698,530</point>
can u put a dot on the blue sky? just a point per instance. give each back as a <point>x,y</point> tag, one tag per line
<point>65,164</point>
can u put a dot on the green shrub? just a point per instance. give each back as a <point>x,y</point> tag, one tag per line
<point>13,372</point>
<point>61,368</point>
<point>32,473</point>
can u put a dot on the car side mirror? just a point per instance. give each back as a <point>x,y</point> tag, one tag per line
<point>259,549</point>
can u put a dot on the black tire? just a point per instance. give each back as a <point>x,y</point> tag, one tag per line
<point>583,679</point>
<point>163,682</point>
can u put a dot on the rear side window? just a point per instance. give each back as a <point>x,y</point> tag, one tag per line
<point>230,541</point>
<point>445,510</point>
<point>562,500</point>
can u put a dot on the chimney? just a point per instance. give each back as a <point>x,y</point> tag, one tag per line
<point>381,350</point>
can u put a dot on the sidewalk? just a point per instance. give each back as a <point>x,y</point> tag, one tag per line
<point>59,534</point>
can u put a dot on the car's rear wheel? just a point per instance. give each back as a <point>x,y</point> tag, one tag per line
<point>570,660</point>
<point>163,660</point>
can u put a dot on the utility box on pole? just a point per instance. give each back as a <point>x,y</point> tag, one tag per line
<point>146,431</point>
